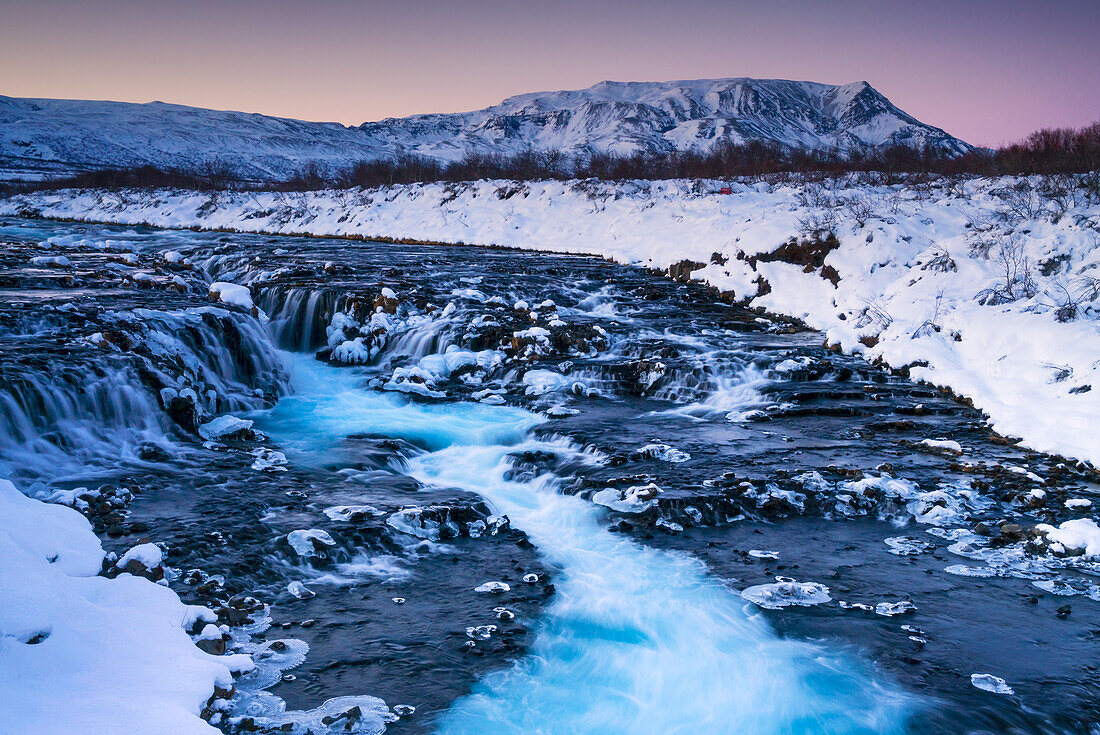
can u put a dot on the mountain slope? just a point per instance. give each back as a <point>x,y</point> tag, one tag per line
<point>40,137</point>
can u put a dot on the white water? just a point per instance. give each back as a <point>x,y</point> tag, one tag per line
<point>636,640</point>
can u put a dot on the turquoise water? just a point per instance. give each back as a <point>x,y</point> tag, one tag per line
<point>637,640</point>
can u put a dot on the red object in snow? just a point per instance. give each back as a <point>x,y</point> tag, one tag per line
<point>725,190</point>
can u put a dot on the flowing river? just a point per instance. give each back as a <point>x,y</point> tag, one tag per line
<point>483,491</point>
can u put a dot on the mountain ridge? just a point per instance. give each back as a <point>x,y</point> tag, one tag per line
<point>44,137</point>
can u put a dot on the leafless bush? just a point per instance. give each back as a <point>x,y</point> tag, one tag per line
<point>1090,288</point>
<point>817,224</point>
<point>1022,202</point>
<point>1069,299</point>
<point>814,195</point>
<point>956,186</point>
<point>875,313</point>
<point>1090,187</point>
<point>931,325</point>
<point>982,242</point>
<point>859,209</point>
<point>1062,191</point>
<point>1016,280</point>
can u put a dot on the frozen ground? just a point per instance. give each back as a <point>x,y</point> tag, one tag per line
<point>63,627</point>
<point>987,287</point>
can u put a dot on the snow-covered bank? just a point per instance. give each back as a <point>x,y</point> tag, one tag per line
<point>987,287</point>
<point>83,653</point>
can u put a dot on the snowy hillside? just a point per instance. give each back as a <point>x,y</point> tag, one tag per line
<point>986,287</point>
<point>48,137</point>
<point>40,137</point>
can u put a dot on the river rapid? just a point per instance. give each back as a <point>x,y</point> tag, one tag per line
<point>464,490</point>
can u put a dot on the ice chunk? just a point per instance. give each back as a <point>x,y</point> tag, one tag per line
<point>413,522</point>
<point>55,261</point>
<point>493,587</point>
<point>299,590</point>
<point>991,683</point>
<point>268,460</point>
<point>636,499</point>
<point>309,542</point>
<point>665,453</point>
<point>907,545</point>
<point>890,609</point>
<point>670,526</point>
<point>351,512</point>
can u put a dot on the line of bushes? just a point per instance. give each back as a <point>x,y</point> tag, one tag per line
<point>1052,151</point>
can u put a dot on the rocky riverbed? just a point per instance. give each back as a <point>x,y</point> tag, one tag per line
<point>468,490</point>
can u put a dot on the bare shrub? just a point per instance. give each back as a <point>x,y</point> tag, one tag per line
<point>1016,280</point>
<point>982,242</point>
<point>1022,202</point>
<point>875,313</point>
<point>1070,299</point>
<point>859,209</point>
<point>941,262</point>
<point>814,195</point>
<point>817,224</point>
<point>931,325</point>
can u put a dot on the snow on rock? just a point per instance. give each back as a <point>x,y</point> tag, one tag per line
<point>143,560</point>
<point>785,592</point>
<point>55,261</point>
<point>1080,536</point>
<point>119,642</point>
<point>985,286</point>
<point>225,427</point>
<point>945,445</point>
<point>231,293</point>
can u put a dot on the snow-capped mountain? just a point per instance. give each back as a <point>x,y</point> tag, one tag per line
<point>43,137</point>
<point>626,117</point>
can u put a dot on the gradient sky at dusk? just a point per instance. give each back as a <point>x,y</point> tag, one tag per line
<point>988,71</point>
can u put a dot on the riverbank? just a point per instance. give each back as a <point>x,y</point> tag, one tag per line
<point>987,287</point>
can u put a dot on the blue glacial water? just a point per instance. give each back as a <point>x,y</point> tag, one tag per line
<point>636,640</point>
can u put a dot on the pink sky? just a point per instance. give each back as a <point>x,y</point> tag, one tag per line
<point>987,71</point>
